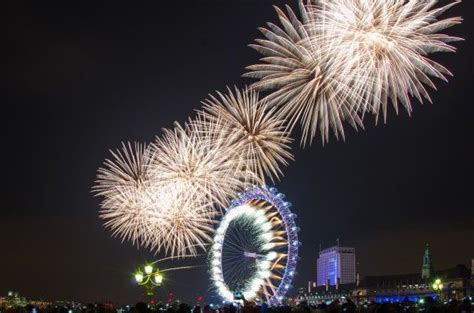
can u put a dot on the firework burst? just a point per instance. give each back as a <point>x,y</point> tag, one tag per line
<point>253,130</point>
<point>185,228</point>
<point>347,57</point>
<point>182,226</point>
<point>200,163</point>
<point>302,79</point>
<point>125,185</point>
<point>157,216</point>
<point>384,47</point>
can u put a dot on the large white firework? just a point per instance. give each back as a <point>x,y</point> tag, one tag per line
<point>346,57</point>
<point>157,216</point>
<point>303,81</point>
<point>124,183</point>
<point>384,46</point>
<point>199,162</point>
<point>253,130</point>
<point>185,223</point>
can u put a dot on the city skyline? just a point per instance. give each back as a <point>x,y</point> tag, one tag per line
<point>82,79</point>
<point>165,295</point>
<point>447,284</point>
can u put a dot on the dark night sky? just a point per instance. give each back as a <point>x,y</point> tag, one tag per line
<point>83,78</point>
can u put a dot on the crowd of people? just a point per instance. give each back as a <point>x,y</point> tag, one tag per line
<point>346,306</point>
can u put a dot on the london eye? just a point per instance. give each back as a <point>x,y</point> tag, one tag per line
<point>255,248</point>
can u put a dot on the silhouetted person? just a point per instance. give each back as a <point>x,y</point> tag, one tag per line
<point>141,307</point>
<point>184,308</point>
<point>349,306</point>
<point>466,306</point>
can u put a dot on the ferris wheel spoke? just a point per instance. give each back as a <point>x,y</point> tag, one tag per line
<point>235,245</point>
<point>229,263</point>
<point>232,248</point>
<point>233,239</point>
<point>234,235</point>
<point>234,261</point>
<point>236,275</point>
<point>239,271</point>
<point>231,260</point>
<point>248,240</point>
<point>231,254</point>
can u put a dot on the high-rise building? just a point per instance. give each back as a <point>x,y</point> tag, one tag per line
<point>427,268</point>
<point>336,265</point>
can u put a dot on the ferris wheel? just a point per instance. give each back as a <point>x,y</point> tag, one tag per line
<point>255,248</point>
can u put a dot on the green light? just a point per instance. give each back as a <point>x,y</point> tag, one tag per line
<point>422,301</point>
<point>158,279</point>
<point>139,277</point>
<point>437,285</point>
<point>148,269</point>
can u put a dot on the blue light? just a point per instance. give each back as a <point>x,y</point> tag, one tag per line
<point>280,196</point>
<point>398,298</point>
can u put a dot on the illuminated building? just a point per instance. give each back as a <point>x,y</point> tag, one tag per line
<point>13,300</point>
<point>336,265</point>
<point>396,288</point>
<point>457,283</point>
<point>427,268</point>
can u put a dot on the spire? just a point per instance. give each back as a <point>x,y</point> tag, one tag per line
<point>427,268</point>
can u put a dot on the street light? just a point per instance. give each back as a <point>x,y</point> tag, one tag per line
<point>438,286</point>
<point>139,277</point>
<point>148,269</point>
<point>149,278</point>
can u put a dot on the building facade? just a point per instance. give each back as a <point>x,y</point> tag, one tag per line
<point>457,282</point>
<point>427,267</point>
<point>336,265</point>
